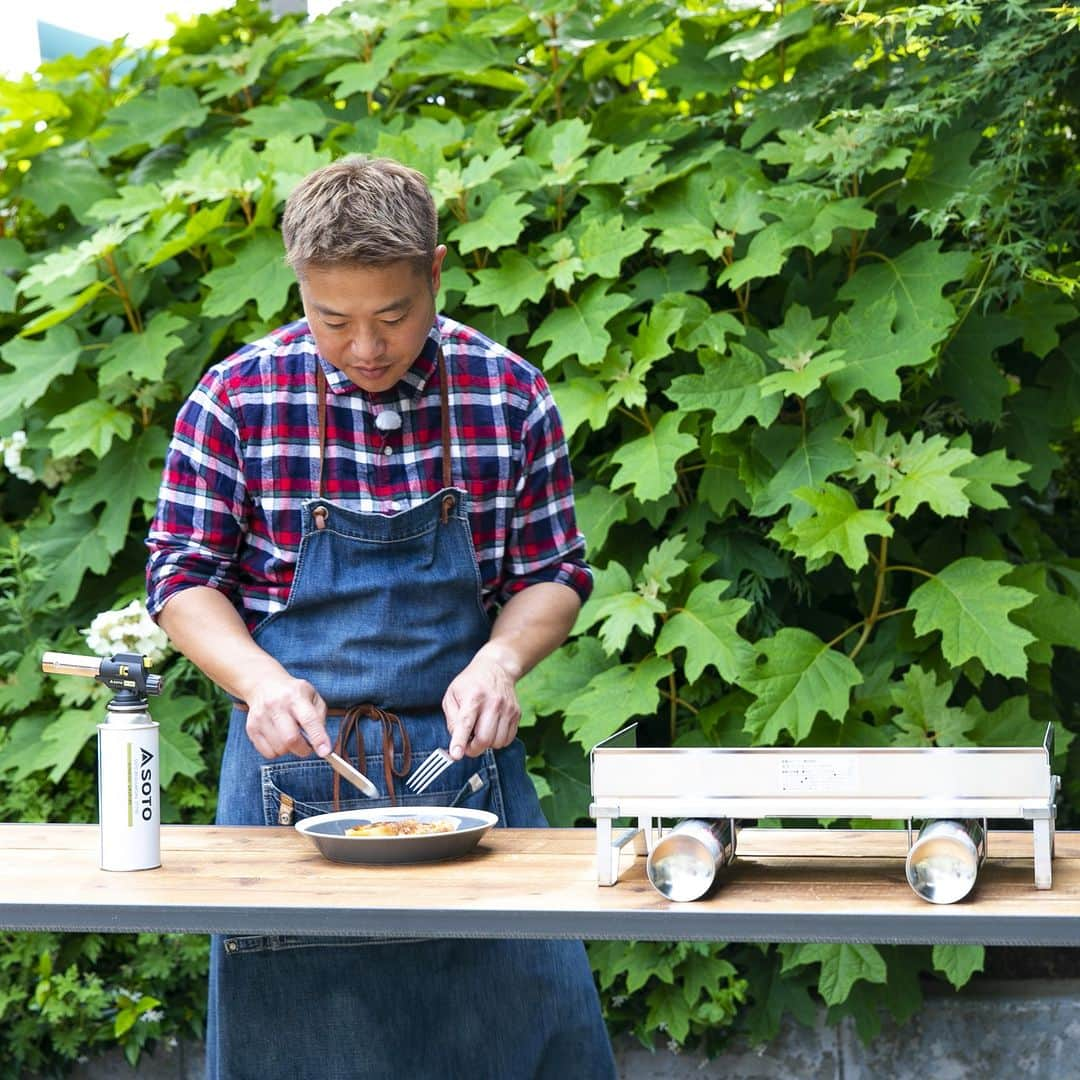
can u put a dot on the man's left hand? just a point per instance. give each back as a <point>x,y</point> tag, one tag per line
<point>481,707</point>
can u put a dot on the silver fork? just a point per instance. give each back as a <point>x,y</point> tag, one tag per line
<point>428,771</point>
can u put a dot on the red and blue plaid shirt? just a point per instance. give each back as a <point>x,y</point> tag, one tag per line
<point>244,456</point>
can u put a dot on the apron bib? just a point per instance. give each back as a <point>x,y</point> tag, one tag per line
<point>387,610</point>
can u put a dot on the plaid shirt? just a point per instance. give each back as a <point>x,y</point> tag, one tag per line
<point>244,456</point>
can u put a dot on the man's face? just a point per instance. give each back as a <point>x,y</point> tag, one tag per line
<point>371,322</point>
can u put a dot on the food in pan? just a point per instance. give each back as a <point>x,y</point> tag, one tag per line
<point>409,826</point>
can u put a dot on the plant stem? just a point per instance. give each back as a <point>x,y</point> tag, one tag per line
<point>879,592</point>
<point>122,291</point>
<point>910,570</point>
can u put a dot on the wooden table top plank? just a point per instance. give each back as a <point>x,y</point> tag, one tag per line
<point>787,885</point>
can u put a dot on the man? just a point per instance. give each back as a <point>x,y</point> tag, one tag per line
<point>345,504</point>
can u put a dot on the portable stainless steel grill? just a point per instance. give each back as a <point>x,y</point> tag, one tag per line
<point>889,783</point>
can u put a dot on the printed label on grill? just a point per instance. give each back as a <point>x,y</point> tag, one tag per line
<point>799,775</point>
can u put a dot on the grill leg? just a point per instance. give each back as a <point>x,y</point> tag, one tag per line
<point>1044,852</point>
<point>607,858</point>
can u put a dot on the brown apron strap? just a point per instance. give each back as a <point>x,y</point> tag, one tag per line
<point>350,727</point>
<point>319,514</point>
<point>447,472</point>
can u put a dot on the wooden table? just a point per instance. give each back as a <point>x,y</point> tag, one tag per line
<point>789,885</point>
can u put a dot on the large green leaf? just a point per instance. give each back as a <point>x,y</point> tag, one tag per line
<point>580,328</point>
<point>258,273</point>
<point>289,117</point>
<point>819,453</point>
<point>149,118</point>
<point>13,258</point>
<point>134,472</point>
<point>753,44</point>
<point>508,286</point>
<point>902,301</point>
<point>654,333</point>
<point>63,310</point>
<point>928,471</point>
<point>925,717</point>
<point>800,678</point>
<point>37,743</point>
<point>800,224</point>
<point>68,548</point>
<point>842,965</point>
<point>684,220</point>
<point>361,77</point>
<point>648,463</point>
<point>988,472</point>
<point>1053,616</point>
<point>213,173</point>
<point>969,372</point>
<point>63,740</point>
<point>289,160</point>
<point>837,526</point>
<point>560,146</point>
<point>730,388</point>
<point>621,614</point>
<point>142,356</point>
<point>497,227</point>
<point>959,962</point>
<point>20,688</point>
<point>198,229</point>
<point>663,565</point>
<point>180,751</point>
<point>557,681</point>
<point>776,996</point>
<point>613,697</point>
<point>706,627</point>
<point>615,165</point>
<point>969,607</point>
<point>597,511</point>
<point>873,352</point>
<point>37,365</point>
<point>582,401</point>
<point>70,180</point>
<point>90,426</point>
<point>606,243</point>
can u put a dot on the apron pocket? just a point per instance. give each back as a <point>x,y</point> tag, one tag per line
<point>293,790</point>
<point>297,789</point>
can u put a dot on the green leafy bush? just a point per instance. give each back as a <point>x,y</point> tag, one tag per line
<point>804,282</point>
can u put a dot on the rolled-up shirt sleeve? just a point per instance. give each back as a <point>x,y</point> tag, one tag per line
<point>198,525</point>
<point>543,543</point>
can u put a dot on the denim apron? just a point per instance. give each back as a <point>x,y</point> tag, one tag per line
<point>386,610</point>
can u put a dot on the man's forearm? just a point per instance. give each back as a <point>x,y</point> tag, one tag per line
<point>531,625</point>
<point>203,624</point>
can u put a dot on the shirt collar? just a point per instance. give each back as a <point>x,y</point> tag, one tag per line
<point>408,387</point>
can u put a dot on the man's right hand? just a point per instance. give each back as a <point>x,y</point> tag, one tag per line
<point>287,716</point>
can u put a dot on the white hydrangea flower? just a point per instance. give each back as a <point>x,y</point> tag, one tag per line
<point>12,447</point>
<point>128,630</point>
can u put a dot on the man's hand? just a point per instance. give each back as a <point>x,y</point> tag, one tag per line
<point>287,716</point>
<point>203,624</point>
<point>481,707</point>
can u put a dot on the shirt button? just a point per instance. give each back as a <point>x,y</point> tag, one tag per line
<point>387,451</point>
